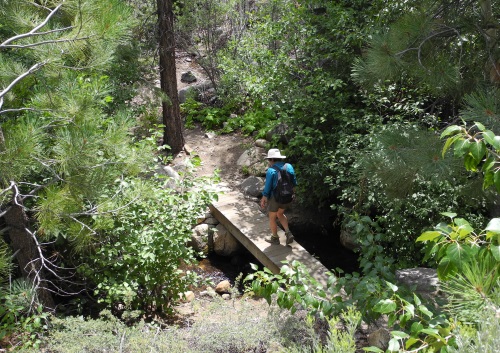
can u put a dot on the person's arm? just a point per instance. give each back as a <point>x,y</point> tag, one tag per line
<point>268,187</point>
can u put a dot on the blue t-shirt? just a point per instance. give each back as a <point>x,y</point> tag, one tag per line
<point>272,178</point>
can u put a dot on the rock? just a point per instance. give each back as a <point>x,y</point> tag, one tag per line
<point>348,241</point>
<point>200,238</point>
<point>258,168</point>
<point>279,130</point>
<point>379,338</point>
<point>194,91</point>
<point>226,296</point>
<point>252,186</point>
<point>224,243</point>
<point>169,171</point>
<point>251,156</point>
<point>188,296</point>
<point>209,135</point>
<point>188,77</point>
<point>211,221</point>
<point>223,287</point>
<point>261,143</point>
<point>186,92</point>
<point>425,280</point>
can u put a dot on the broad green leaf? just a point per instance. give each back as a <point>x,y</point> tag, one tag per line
<point>373,349</point>
<point>493,225</point>
<point>416,327</point>
<point>492,140</point>
<point>464,228</point>
<point>416,299</point>
<point>410,342</point>
<point>488,164</point>
<point>489,137</point>
<point>423,309</point>
<point>478,150</point>
<point>479,126</point>
<point>495,250</point>
<point>385,306</point>
<point>470,163</point>
<point>393,345</point>
<point>400,334</point>
<point>448,143</point>
<point>430,331</point>
<point>445,268</point>
<point>456,253</point>
<point>429,235</point>
<point>410,308</point>
<point>392,286</point>
<point>450,130</point>
<point>449,214</point>
<point>488,179</point>
<point>461,147</point>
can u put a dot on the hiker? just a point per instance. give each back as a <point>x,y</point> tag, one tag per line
<point>276,209</point>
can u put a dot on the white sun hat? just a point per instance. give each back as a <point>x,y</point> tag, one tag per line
<point>274,153</point>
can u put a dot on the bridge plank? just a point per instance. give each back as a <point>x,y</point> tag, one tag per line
<point>243,219</point>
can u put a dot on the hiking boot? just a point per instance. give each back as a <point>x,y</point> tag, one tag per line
<point>273,239</point>
<point>289,237</point>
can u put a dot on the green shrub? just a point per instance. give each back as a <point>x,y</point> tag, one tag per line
<point>143,244</point>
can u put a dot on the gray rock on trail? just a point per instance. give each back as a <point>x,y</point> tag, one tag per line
<point>252,186</point>
<point>251,156</point>
<point>196,91</point>
<point>188,77</point>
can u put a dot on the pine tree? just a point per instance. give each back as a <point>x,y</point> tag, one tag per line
<point>59,153</point>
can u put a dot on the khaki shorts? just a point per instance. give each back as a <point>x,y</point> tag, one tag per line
<point>274,206</point>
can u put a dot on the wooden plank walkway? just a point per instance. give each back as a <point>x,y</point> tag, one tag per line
<point>243,219</point>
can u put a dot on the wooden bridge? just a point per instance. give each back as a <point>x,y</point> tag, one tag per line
<point>244,220</point>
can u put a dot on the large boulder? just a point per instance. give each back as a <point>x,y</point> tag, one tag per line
<point>200,238</point>
<point>252,186</point>
<point>224,243</point>
<point>251,156</point>
<point>196,91</point>
<point>280,130</point>
<point>425,280</point>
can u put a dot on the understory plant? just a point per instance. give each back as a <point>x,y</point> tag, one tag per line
<point>144,245</point>
<point>22,319</point>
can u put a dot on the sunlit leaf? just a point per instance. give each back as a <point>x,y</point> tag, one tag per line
<point>429,235</point>
<point>385,306</point>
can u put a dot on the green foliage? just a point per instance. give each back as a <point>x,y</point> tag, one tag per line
<point>254,120</point>
<point>149,233</point>
<point>20,316</point>
<point>76,334</point>
<point>468,263</point>
<point>244,332</point>
<point>485,338</point>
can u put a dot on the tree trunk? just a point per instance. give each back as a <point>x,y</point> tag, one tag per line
<point>26,250</point>
<point>490,26</point>
<point>172,135</point>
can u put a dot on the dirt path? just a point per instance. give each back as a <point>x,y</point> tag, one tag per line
<point>217,152</point>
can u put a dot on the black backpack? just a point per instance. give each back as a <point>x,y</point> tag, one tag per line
<point>284,190</point>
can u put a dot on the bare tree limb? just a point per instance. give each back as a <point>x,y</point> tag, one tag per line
<point>34,30</point>
<point>32,69</point>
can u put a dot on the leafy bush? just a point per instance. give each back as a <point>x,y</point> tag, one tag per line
<point>143,246</point>
<point>21,317</point>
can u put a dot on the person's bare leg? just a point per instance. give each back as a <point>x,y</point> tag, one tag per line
<point>272,223</point>
<point>282,217</point>
<point>284,222</point>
